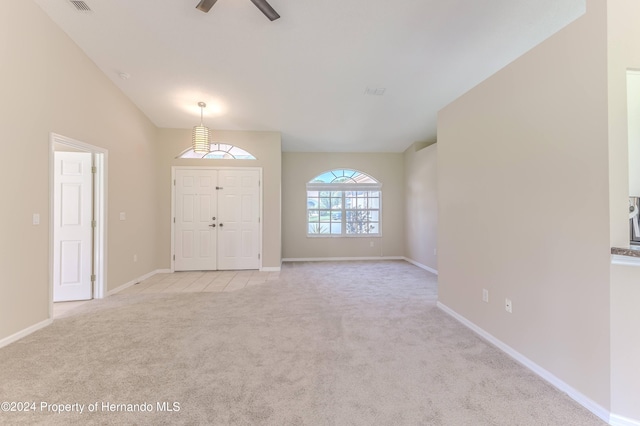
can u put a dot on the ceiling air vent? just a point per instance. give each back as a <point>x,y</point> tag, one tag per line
<point>81,6</point>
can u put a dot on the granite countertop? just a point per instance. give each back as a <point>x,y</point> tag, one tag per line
<point>634,251</point>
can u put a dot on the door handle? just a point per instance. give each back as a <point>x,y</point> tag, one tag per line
<point>213,225</point>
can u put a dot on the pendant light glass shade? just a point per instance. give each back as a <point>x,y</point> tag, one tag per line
<point>200,138</point>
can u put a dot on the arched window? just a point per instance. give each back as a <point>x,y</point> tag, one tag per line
<point>343,203</point>
<point>220,151</point>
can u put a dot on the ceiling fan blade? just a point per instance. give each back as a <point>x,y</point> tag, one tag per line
<point>266,8</point>
<point>206,5</point>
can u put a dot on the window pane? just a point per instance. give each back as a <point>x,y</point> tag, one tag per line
<point>324,228</point>
<point>219,151</point>
<point>336,203</point>
<point>325,193</point>
<point>336,228</point>
<point>313,194</point>
<point>350,203</point>
<point>336,216</point>
<point>313,216</point>
<point>337,194</point>
<point>374,215</point>
<point>357,222</point>
<point>325,216</point>
<point>374,203</point>
<point>343,175</point>
<point>362,203</point>
<point>325,203</point>
<point>313,203</point>
<point>374,228</point>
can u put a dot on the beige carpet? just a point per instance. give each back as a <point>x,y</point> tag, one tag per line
<point>336,343</point>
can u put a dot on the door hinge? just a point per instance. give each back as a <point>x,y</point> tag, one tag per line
<point>219,188</point>
<point>258,182</point>
<point>174,257</point>
<point>174,220</point>
<point>93,224</point>
<point>258,256</point>
<point>258,220</point>
<point>174,182</point>
<point>94,169</point>
<point>93,278</point>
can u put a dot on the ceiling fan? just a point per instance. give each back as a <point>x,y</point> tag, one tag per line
<point>264,7</point>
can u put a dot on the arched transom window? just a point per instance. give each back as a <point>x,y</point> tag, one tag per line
<point>220,151</point>
<point>343,203</point>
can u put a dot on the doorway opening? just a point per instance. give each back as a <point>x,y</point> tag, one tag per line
<point>77,220</point>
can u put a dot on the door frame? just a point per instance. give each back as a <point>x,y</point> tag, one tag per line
<point>173,205</point>
<point>100,157</point>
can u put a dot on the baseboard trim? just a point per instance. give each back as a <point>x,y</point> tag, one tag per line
<point>340,259</point>
<point>616,420</point>
<point>24,333</point>
<point>137,280</point>
<point>581,399</point>
<point>422,266</point>
<point>270,269</point>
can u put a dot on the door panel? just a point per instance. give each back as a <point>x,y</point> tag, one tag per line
<point>195,207</point>
<point>239,212</point>
<point>73,233</point>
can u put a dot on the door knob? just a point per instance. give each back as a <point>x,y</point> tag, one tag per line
<point>213,218</point>
<point>213,225</point>
<point>221,225</point>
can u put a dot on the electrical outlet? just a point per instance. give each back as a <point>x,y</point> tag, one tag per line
<point>485,295</point>
<point>508,306</point>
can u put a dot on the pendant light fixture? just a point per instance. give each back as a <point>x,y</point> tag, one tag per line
<point>200,137</point>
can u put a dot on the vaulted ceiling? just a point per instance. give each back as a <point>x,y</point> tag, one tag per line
<point>331,75</point>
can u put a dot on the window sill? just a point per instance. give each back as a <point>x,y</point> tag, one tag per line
<point>625,256</point>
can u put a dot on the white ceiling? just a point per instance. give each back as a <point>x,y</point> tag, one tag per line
<point>306,73</point>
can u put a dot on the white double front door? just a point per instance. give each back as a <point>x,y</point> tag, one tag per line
<point>216,219</point>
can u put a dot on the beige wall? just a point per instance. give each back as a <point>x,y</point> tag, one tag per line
<point>300,168</point>
<point>421,211</point>
<point>633,121</point>
<point>625,345</point>
<point>623,54</point>
<point>49,85</point>
<point>524,205</point>
<point>265,146</point>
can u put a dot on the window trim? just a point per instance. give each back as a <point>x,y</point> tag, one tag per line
<point>215,147</point>
<point>344,187</point>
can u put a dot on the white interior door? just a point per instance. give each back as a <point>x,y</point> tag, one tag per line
<point>239,219</point>
<point>72,233</point>
<point>195,217</point>
<point>217,219</point>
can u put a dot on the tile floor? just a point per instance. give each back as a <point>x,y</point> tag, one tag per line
<point>183,282</point>
<point>196,281</point>
<point>61,309</point>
